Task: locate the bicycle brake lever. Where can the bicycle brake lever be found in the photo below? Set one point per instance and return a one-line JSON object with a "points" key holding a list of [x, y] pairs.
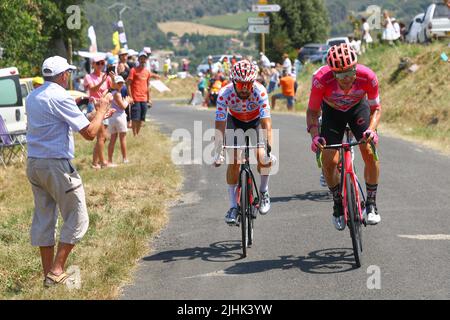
{"points": [[319, 158]]}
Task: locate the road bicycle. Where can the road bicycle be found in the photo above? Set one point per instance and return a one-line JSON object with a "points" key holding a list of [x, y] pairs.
{"points": [[353, 197], [247, 196]]}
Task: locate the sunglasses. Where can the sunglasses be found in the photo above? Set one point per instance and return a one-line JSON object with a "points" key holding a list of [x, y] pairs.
{"points": [[244, 85], [100, 63], [343, 75]]}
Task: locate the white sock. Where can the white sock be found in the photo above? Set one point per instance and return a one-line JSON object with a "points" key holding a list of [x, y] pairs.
{"points": [[264, 184], [232, 189]]}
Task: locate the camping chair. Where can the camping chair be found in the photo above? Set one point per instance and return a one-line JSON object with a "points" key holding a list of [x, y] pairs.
{"points": [[12, 145]]}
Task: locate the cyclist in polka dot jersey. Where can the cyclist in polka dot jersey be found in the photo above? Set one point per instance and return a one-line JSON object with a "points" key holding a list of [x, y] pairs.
{"points": [[244, 104]]}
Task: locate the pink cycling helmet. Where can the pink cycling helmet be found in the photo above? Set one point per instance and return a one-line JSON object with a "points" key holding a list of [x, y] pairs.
{"points": [[244, 71], [341, 57]]}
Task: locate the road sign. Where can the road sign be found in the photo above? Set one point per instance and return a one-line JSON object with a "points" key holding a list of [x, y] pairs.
{"points": [[259, 20], [266, 8], [258, 28]]}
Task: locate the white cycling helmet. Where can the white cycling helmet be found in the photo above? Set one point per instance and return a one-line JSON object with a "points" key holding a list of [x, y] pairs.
{"points": [[244, 71]]}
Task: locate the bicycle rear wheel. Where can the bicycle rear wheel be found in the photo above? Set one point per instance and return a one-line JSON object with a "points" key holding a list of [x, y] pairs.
{"points": [[243, 212], [354, 220]]}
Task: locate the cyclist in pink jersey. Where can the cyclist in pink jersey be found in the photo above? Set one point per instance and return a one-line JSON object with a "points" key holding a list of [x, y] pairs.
{"points": [[244, 104], [345, 92]]}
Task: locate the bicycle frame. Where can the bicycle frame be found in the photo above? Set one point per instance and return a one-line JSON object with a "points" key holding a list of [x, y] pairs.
{"points": [[348, 170], [245, 167]]}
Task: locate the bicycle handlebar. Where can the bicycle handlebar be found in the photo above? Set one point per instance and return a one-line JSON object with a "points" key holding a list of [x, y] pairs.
{"points": [[346, 145]]}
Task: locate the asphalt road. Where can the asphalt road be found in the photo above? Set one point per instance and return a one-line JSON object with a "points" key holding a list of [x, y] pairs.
{"points": [[297, 252]]}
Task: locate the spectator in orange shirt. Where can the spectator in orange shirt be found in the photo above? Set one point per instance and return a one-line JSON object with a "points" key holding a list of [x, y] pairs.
{"points": [[287, 84], [138, 89]]}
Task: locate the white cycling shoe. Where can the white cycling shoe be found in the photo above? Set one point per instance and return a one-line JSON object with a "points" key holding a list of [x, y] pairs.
{"points": [[231, 216], [338, 217], [264, 203], [373, 217]]}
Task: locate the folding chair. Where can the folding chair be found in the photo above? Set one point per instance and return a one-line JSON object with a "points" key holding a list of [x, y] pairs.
{"points": [[12, 145]]}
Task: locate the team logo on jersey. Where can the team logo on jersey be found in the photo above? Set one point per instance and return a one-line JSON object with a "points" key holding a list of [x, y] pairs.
{"points": [[317, 84], [220, 116], [374, 82], [251, 106]]}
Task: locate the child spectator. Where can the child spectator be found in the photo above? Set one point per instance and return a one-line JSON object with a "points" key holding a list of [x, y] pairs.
{"points": [[118, 122]]}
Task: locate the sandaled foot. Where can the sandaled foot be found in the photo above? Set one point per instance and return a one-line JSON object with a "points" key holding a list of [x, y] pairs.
{"points": [[52, 279]]}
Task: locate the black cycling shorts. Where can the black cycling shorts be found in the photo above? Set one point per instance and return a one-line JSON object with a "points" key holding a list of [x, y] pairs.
{"points": [[237, 130], [335, 121]]}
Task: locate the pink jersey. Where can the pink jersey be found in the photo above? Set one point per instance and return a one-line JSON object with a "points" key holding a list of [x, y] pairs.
{"points": [[325, 88], [257, 106]]}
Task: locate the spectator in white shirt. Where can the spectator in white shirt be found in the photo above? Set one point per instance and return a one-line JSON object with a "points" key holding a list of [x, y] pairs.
{"points": [[287, 64]]}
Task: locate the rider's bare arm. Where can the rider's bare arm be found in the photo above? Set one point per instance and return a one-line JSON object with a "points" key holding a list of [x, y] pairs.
{"points": [[220, 133], [375, 116], [266, 125], [312, 122]]}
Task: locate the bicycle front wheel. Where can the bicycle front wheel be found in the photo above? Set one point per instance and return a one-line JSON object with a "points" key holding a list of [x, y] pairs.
{"points": [[243, 211], [354, 220], [250, 212]]}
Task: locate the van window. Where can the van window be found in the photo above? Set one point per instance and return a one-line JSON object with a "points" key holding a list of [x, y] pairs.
{"points": [[8, 94], [441, 11], [24, 90]]}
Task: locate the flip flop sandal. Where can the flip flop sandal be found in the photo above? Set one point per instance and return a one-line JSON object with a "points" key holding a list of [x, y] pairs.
{"points": [[52, 279]]}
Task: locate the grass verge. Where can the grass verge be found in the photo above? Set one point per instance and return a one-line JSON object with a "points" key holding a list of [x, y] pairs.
{"points": [[127, 205]]}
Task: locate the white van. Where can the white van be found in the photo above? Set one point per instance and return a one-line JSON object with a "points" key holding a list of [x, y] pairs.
{"points": [[436, 23], [12, 109], [412, 35]]}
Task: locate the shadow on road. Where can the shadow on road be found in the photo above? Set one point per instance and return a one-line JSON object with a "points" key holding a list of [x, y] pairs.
{"points": [[224, 251], [327, 261], [317, 196]]}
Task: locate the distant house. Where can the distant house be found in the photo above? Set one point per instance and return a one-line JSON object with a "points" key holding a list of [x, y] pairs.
{"points": [[175, 40], [235, 43]]}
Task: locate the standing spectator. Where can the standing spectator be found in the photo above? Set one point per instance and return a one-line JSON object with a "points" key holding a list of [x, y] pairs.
{"points": [[52, 118], [397, 32], [123, 69], [264, 61], [233, 60], [389, 32], [226, 67], [154, 65], [98, 83], [138, 88], [366, 37], [37, 82], [185, 65], [167, 66], [287, 64], [274, 77], [287, 84], [210, 63], [201, 84], [118, 122]]}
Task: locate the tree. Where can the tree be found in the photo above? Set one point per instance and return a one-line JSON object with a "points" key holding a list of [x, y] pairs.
{"points": [[299, 22], [35, 29]]}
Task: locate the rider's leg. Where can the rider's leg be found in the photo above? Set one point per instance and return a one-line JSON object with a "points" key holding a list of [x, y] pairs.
{"points": [[371, 172], [264, 171], [232, 181], [330, 160], [359, 124]]}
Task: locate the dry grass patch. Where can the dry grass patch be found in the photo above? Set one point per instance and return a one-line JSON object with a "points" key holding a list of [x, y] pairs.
{"points": [[127, 205], [182, 27]]}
